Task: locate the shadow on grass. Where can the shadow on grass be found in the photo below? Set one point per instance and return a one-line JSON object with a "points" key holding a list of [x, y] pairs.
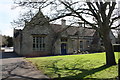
{"points": [[67, 78], [85, 73], [80, 76]]}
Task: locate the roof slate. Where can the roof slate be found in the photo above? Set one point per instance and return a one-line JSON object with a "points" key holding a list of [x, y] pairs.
{"points": [[73, 30]]}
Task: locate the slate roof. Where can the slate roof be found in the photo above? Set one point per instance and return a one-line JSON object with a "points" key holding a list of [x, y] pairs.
{"points": [[73, 30], [39, 18], [56, 27]]}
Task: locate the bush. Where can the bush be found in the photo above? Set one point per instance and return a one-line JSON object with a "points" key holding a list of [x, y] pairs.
{"points": [[116, 47]]}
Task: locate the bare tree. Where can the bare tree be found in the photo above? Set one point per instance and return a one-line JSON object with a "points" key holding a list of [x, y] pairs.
{"points": [[101, 11], [23, 17]]}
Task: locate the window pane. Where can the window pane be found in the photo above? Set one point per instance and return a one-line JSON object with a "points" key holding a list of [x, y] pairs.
{"points": [[37, 40], [37, 46], [33, 45], [44, 45], [40, 40], [38, 43], [33, 39], [81, 44]]}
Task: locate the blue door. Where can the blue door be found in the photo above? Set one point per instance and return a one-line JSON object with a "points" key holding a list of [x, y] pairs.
{"points": [[63, 48]]}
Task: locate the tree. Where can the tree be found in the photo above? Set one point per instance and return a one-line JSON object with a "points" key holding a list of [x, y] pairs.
{"points": [[10, 41], [99, 15], [24, 17], [7, 41]]}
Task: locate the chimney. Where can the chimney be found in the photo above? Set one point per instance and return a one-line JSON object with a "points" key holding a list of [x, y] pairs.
{"points": [[63, 22]]}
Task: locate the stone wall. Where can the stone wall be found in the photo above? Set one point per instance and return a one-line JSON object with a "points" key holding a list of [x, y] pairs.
{"points": [[27, 40], [17, 41]]}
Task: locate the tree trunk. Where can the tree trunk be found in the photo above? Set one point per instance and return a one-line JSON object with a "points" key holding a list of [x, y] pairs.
{"points": [[110, 57]]}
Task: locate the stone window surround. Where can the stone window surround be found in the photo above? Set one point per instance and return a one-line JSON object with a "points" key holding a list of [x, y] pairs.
{"points": [[39, 42], [81, 44]]}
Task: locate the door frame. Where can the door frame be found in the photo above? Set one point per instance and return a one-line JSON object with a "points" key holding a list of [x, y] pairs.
{"points": [[63, 48]]}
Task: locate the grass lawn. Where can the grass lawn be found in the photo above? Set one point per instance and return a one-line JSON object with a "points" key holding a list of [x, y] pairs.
{"points": [[76, 67]]}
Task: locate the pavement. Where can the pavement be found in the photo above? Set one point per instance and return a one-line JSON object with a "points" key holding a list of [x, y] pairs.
{"points": [[15, 67]]}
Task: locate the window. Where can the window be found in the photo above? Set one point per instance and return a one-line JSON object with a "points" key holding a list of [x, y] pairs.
{"points": [[39, 43], [81, 45]]}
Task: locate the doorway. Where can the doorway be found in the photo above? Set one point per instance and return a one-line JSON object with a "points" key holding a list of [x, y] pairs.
{"points": [[63, 48]]}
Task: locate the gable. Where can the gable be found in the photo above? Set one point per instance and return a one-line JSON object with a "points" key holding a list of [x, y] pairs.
{"points": [[38, 20]]}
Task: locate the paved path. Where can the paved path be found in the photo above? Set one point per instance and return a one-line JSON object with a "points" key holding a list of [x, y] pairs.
{"points": [[15, 67]]}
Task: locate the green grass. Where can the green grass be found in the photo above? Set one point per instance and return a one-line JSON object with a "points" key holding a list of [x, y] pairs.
{"points": [[77, 67]]}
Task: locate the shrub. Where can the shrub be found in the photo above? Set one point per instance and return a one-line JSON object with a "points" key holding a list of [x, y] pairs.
{"points": [[116, 47]]}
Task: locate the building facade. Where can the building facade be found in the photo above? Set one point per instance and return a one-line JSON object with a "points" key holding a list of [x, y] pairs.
{"points": [[40, 38]]}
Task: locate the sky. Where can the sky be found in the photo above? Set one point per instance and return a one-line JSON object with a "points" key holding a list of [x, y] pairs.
{"points": [[7, 15]]}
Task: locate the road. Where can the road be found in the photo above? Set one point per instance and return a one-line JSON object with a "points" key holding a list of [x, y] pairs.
{"points": [[15, 67]]}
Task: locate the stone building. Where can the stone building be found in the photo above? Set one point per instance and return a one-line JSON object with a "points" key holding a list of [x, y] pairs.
{"points": [[40, 38]]}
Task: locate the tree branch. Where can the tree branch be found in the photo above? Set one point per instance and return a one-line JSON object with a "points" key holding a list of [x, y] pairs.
{"points": [[113, 20], [92, 10], [111, 8], [102, 10], [94, 27], [115, 27], [68, 14]]}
